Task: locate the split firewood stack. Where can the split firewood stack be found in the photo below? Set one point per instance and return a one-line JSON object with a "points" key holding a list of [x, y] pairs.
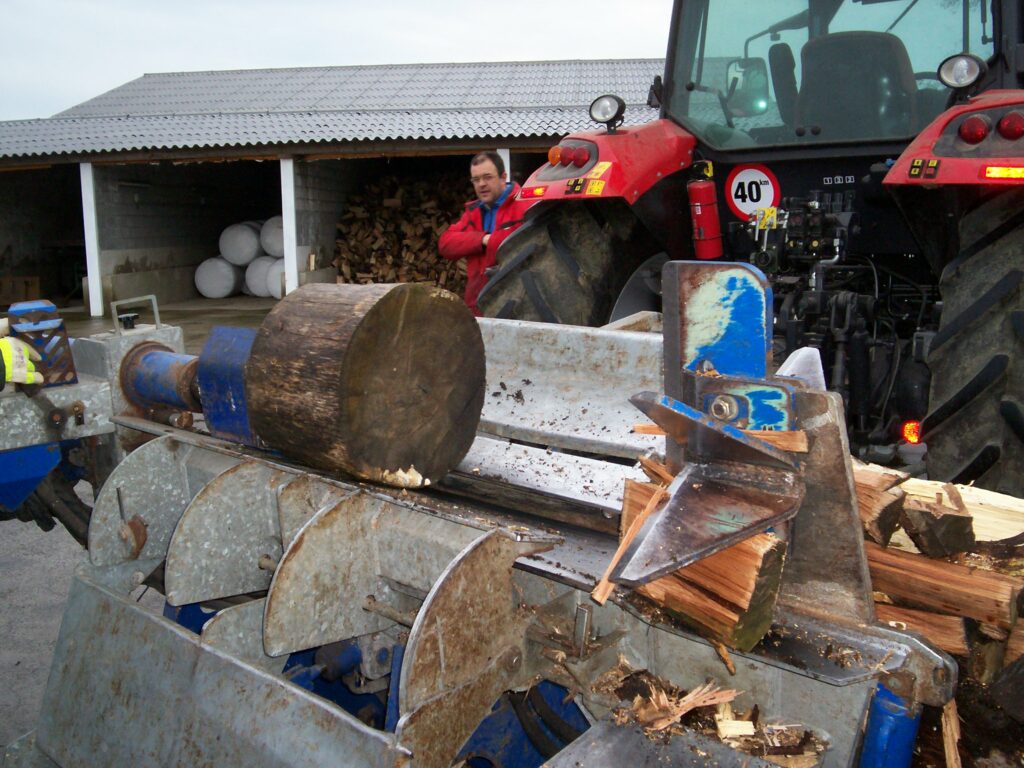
{"points": [[388, 233], [946, 561]]}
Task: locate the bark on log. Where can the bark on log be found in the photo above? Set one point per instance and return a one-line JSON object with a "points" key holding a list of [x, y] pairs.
{"points": [[385, 382]]}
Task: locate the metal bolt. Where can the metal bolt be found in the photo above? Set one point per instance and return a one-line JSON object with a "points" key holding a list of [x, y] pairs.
{"points": [[725, 408], [138, 577]]}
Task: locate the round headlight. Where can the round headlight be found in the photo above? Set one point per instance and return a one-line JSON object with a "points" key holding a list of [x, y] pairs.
{"points": [[961, 71], [607, 109]]}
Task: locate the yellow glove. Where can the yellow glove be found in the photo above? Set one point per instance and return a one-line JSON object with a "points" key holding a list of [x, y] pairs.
{"points": [[18, 362]]}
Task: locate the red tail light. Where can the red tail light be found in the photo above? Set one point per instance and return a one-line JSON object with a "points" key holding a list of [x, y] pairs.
{"points": [[580, 156], [974, 129], [1011, 126], [911, 432], [567, 155]]}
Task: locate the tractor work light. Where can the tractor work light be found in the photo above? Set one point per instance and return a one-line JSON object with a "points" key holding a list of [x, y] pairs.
{"points": [[911, 432], [974, 129], [608, 109], [1011, 125], [961, 71]]}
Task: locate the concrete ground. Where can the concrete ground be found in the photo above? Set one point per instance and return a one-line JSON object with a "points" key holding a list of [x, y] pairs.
{"points": [[36, 567]]}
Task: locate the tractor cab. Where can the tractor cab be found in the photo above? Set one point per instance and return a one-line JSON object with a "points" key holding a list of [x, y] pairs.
{"points": [[795, 73]]}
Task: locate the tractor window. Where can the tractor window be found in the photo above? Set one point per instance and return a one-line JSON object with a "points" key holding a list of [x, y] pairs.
{"points": [[800, 71]]}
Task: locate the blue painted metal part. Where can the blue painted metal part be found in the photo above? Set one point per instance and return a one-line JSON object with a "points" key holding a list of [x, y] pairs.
{"points": [[501, 740], [391, 721], [155, 377], [48, 336], [222, 383], [303, 670], [192, 616], [22, 469], [891, 731], [722, 313]]}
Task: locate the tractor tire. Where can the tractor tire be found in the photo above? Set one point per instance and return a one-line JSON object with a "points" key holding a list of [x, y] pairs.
{"points": [[566, 265], [53, 501], [975, 423]]}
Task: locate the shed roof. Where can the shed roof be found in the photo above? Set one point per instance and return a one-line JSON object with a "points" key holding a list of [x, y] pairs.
{"points": [[267, 107]]}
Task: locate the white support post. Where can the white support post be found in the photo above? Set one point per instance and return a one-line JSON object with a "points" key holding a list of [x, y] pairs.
{"points": [[506, 158], [92, 241], [291, 256]]}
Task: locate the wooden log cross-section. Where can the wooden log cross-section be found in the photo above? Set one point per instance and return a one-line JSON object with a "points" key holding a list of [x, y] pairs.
{"points": [[385, 382], [728, 597]]}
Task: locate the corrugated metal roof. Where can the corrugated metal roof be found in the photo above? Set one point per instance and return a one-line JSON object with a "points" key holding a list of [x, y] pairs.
{"points": [[194, 110]]}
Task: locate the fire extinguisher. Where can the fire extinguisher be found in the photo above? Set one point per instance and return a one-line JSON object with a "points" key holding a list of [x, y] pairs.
{"points": [[707, 230]]}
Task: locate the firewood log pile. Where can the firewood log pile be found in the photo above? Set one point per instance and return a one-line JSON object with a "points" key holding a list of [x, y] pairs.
{"points": [[946, 561], [388, 233]]}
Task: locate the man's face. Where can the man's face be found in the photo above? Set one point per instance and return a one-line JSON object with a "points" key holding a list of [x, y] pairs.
{"points": [[486, 181]]}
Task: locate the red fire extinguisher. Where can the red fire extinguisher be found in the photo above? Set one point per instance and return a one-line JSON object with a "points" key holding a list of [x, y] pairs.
{"points": [[707, 230]]}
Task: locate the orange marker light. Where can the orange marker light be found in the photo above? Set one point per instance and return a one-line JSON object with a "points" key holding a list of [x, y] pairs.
{"points": [[555, 155], [1004, 172], [911, 431]]}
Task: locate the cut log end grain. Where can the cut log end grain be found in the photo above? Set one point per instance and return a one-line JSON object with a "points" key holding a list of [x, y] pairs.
{"points": [[385, 382]]}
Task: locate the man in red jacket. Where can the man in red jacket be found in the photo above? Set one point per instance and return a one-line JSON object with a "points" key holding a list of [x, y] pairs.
{"points": [[488, 220]]}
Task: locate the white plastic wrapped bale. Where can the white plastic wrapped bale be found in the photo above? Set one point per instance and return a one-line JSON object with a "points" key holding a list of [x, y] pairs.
{"points": [[217, 278], [275, 277], [240, 243], [272, 236], [256, 275]]}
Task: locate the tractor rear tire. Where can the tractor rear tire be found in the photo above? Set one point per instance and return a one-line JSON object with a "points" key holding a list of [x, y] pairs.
{"points": [[975, 423], [566, 265]]}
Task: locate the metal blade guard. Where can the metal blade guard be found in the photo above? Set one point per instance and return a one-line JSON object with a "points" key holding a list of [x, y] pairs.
{"points": [[729, 483]]}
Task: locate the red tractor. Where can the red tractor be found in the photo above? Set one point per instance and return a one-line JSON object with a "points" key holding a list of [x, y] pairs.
{"points": [[864, 155]]}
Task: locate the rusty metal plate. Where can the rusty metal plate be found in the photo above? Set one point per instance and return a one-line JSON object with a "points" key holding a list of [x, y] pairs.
{"points": [[317, 593], [300, 499], [224, 533], [238, 631], [149, 483], [465, 648], [130, 688]]}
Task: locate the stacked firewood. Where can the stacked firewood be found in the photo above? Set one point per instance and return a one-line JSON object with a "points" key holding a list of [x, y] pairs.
{"points": [[946, 562], [388, 233]]}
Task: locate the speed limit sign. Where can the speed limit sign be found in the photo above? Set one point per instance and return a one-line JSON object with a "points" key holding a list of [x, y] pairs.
{"points": [[750, 187]]}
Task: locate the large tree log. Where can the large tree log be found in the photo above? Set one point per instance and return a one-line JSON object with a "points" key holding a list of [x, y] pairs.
{"points": [[385, 382], [728, 596], [944, 587]]}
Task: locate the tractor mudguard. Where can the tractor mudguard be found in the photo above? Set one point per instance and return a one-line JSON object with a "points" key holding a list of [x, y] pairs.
{"points": [[624, 164]]}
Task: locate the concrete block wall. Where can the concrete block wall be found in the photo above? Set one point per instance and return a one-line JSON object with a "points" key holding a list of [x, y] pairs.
{"points": [[157, 222], [321, 190], [41, 227]]}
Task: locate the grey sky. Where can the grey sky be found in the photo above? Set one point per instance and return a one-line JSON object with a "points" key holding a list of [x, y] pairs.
{"points": [[58, 53]]}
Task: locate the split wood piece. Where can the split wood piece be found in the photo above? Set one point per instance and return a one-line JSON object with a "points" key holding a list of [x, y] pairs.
{"points": [[656, 471], [944, 587], [879, 501], [729, 596], [385, 382], [936, 529], [604, 587], [951, 734], [794, 441], [945, 632], [996, 515], [728, 726]]}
